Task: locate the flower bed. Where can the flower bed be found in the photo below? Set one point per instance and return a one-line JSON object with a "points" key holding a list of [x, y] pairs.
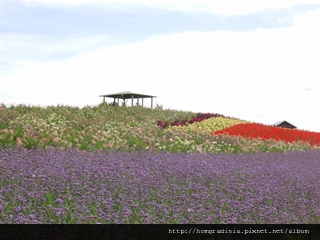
{"points": [[73, 186], [107, 128], [213, 124], [178, 122], [254, 130]]}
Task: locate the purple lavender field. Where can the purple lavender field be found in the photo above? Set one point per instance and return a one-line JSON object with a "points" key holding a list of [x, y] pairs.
{"points": [[74, 186]]}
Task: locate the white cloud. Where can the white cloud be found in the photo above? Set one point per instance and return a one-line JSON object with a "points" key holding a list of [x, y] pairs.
{"points": [[17, 48], [223, 7], [260, 75]]}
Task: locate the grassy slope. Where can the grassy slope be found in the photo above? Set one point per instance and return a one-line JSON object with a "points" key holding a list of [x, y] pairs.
{"points": [[106, 127]]}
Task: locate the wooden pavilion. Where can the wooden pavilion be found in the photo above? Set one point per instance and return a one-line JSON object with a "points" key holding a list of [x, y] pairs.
{"points": [[128, 95]]}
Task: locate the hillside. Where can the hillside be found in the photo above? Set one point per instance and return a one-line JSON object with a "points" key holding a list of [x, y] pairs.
{"points": [[113, 128]]}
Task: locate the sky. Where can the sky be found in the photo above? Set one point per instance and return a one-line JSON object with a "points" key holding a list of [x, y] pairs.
{"points": [[254, 60]]}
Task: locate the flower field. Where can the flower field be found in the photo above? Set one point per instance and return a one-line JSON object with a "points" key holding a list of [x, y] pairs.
{"points": [[111, 164], [254, 130], [108, 128], [74, 186]]}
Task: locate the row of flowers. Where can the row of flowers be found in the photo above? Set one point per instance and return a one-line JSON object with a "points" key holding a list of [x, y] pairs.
{"points": [[254, 130], [178, 122], [199, 118], [213, 124]]}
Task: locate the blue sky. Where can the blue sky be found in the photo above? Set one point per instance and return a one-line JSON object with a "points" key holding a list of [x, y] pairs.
{"points": [[258, 62]]}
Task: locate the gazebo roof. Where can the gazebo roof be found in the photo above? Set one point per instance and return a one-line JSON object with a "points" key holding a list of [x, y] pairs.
{"points": [[127, 95]]}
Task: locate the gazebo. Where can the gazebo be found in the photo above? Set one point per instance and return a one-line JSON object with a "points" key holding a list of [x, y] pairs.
{"points": [[128, 95]]}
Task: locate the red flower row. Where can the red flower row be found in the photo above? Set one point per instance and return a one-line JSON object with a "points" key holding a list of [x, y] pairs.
{"points": [[254, 130]]}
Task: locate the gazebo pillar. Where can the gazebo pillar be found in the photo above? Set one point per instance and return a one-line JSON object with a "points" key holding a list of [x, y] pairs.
{"points": [[104, 99], [151, 102], [118, 101], [138, 100], [142, 102], [114, 101], [131, 100]]}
